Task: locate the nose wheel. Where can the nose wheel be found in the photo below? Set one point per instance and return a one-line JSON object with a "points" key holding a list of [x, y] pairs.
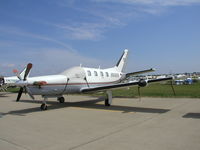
{"points": [[43, 106]]}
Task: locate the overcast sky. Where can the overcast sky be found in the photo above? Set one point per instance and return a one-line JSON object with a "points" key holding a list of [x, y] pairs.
{"points": [[57, 34]]}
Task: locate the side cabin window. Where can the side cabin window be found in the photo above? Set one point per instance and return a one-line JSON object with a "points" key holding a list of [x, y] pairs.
{"points": [[114, 75], [89, 73], [107, 75], [101, 73], [95, 73]]}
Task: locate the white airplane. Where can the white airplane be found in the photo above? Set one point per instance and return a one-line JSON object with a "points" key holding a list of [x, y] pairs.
{"points": [[6, 82], [79, 80]]}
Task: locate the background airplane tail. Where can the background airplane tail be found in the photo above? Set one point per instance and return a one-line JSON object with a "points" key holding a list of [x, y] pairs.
{"points": [[122, 61]]}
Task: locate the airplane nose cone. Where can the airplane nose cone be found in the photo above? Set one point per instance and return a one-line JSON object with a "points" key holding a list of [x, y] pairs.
{"points": [[21, 83]]}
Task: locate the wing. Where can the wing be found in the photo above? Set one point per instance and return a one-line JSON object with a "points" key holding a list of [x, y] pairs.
{"points": [[139, 72], [122, 85]]}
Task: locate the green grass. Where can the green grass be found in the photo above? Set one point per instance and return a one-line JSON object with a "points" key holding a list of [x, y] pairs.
{"points": [[153, 90], [159, 90], [13, 90]]}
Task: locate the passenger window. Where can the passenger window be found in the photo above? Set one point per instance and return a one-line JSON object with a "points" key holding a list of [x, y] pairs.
{"points": [[101, 73], [107, 75], [95, 73], [89, 73]]}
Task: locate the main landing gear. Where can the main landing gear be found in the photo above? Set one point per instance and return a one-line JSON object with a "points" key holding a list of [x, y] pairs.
{"points": [[61, 99], [108, 100]]}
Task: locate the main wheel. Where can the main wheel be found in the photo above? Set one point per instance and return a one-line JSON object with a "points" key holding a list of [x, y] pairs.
{"points": [[61, 99], [43, 107], [107, 102]]}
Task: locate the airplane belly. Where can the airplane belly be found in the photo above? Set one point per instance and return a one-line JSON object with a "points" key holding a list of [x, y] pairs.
{"points": [[72, 89], [47, 90]]}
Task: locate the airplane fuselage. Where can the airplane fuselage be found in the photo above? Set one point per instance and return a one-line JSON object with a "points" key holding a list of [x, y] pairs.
{"points": [[72, 80]]}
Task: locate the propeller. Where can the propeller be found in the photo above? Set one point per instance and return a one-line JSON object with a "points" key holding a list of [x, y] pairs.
{"points": [[22, 82], [16, 72], [20, 94], [28, 68]]}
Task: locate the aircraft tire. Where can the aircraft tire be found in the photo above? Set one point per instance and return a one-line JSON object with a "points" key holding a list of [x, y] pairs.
{"points": [[43, 107], [61, 99], [107, 102]]}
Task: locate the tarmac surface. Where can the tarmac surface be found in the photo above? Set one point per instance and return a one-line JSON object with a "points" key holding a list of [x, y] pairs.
{"points": [[84, 123]]}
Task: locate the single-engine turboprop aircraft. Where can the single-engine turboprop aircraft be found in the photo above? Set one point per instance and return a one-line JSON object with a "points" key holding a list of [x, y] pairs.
{"points": [[79, 80]]}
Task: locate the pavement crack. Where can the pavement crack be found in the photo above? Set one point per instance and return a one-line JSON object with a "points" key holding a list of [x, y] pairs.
{"points": [[111, 133], [15, 144]]}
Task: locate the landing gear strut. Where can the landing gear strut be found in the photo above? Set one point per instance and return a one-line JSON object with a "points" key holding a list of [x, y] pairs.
{"points": [[108, 100], [61, 99]]}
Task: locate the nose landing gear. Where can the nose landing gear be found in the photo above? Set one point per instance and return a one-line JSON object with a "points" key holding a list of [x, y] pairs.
{"points": [[44, 104]]}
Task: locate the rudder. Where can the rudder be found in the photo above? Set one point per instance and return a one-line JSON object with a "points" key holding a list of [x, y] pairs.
{"points": [[122, 61]]}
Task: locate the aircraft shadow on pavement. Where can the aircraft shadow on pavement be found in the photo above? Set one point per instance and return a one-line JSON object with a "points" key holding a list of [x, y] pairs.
{"points": [[192, 115], [89, 104], [3, 95]]}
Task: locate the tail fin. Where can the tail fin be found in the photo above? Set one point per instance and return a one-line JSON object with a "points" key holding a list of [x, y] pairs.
{"points": [[122, 61]]}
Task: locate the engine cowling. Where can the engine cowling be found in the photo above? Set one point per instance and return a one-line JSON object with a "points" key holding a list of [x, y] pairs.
{"points": [[143, 83]]}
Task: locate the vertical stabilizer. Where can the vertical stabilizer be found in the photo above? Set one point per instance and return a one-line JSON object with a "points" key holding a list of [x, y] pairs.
{"points": [[122, 61]]}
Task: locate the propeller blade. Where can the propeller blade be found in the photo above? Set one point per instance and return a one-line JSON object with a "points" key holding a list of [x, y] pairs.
{"points": [[28, 68], [29, 93], [31, 96], [15, 71], [19, 94], [25, 90]]}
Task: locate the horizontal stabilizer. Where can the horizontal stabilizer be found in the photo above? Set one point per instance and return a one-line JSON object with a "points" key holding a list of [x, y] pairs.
{"points": [[140, 72]]}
